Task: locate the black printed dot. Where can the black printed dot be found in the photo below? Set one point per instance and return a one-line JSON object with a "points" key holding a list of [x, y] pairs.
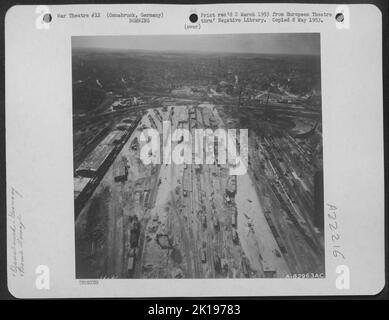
{"points": [[47, 18], [193, 18], [339, 17]]}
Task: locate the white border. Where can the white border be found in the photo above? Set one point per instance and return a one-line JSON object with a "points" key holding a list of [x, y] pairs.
{"points": [[39, 147]]}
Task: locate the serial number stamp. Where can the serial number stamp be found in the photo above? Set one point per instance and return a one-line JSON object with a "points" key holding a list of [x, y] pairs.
{"points": [[88, 282], [308, 275], [334, 229]]}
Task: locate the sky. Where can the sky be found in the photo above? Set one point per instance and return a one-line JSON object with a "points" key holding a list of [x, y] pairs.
{"points": [[269, 43]]}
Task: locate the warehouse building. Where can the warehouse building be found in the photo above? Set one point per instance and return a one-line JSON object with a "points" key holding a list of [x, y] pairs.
{"points": [[123, 126], [82, 190], [120, 171], [96, 160], [114, 138], [80, 184]]}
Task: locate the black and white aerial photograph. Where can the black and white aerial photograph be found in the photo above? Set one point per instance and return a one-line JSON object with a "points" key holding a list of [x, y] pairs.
{"points": [[198, 156]]}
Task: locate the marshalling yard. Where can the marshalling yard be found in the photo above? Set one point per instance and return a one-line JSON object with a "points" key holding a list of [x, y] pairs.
{"points": [[196, 220], [137, 220]]}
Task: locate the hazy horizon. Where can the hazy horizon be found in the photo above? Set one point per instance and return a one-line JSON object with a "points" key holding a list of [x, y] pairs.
{"points": [[289, 44]]}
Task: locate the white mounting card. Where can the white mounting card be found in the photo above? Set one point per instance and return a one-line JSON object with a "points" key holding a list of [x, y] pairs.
{"points": [[194, 150]]}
